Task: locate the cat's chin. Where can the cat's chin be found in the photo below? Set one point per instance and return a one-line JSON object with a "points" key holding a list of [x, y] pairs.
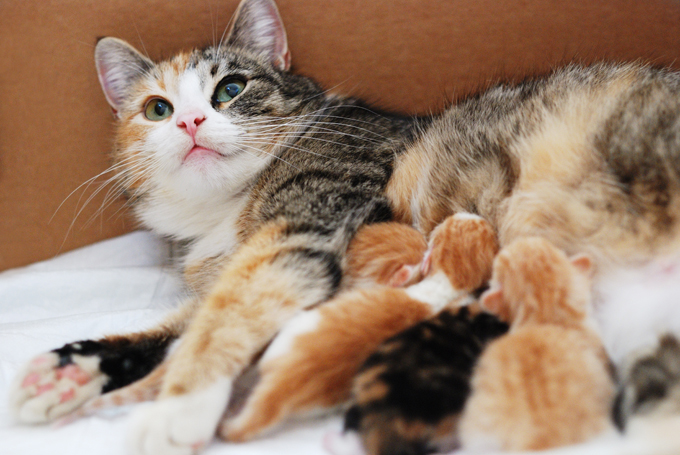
{"points": [[198, 154]]}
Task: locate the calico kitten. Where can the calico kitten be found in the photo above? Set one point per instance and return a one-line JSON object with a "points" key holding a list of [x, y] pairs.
{"points": [[409, 394], [310, 365], [267, 178], [547, 382]]}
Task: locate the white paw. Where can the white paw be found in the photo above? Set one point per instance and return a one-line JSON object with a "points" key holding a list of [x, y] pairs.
{"points": [[180, 425], [43, 391]]}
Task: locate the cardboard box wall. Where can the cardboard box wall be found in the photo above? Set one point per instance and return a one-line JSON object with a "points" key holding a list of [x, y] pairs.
{"points": [[414, 56]]}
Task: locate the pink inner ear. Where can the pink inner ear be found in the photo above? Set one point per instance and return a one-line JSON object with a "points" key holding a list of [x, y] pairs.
{"points": [[427, 262], [492, 300], [110, 93], [283, 61], [403, 275], [583, 263]]}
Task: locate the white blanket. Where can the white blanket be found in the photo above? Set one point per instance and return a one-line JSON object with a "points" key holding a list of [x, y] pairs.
{"points": [[115, 286]]}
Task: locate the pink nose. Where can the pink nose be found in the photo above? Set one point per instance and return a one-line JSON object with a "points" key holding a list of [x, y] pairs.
{"points": [[190, 121]]}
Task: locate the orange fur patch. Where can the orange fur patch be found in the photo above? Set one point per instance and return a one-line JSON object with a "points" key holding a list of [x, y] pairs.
{"points": [[318, 371], [547, 382], [379, 250], [464, 250]]}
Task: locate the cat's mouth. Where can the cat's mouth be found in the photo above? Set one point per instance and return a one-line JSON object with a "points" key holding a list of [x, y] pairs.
{"points": [[198, 152]]}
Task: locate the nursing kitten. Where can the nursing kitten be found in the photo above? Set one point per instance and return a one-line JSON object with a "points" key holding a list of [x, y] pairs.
{"points": [[547, 383], [311, 364], [267, 178], [409, 394]]}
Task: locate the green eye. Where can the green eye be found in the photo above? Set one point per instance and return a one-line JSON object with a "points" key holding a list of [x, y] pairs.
{"points": [[229, 89], [157, 109]]}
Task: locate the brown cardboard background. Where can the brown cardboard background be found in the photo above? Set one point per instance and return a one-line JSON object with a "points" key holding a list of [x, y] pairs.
{"points": [[410, 55]]}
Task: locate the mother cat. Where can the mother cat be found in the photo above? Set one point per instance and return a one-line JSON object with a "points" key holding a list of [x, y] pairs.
{"points": [[266, 178]]}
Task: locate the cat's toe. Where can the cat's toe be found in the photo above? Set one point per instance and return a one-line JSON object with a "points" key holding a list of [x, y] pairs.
{"points": [[180, 425], [50, 386]]}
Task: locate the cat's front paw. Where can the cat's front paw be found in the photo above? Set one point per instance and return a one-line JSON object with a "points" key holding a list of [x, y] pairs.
{"points": [[54, 384], [180, 425]]}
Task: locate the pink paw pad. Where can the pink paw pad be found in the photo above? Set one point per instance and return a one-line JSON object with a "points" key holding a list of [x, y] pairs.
{"points": [[66, 396], [30, 380], [75, 373]]}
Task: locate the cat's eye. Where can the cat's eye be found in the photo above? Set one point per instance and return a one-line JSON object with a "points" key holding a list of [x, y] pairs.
{"points": [[157, 109], [228, 89]]}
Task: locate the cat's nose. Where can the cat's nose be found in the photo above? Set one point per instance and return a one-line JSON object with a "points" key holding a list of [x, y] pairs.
{"points": [[190, 121]]}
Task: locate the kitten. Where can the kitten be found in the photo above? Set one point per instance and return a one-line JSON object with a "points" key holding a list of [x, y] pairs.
{"points": [[310, 365], [547, 382], [266, 178], [651, 383], [409, 394]]}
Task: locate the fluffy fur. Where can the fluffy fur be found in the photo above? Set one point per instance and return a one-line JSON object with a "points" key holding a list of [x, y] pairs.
{"points": [[547, 383]]}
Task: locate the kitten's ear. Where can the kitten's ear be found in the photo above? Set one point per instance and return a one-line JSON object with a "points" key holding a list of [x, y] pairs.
{"points": [[583, 263], [492, 301], [118, 65], [403, 275], [258, 27]]}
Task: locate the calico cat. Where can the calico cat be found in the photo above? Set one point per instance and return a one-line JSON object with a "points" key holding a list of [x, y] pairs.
{"points": [[266, 178], [547, 383]]}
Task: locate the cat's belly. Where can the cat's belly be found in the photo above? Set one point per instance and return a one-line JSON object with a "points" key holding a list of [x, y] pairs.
{"points": [[635, 305]]}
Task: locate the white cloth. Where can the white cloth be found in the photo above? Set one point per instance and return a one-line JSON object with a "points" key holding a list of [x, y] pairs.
{"points": [[115, 286]]}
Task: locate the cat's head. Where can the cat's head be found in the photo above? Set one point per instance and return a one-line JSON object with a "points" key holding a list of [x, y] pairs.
{"points": [[200, 126], [533, 281]]}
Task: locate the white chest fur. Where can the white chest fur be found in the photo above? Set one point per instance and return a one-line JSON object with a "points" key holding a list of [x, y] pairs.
{"points": [[636, 305]]}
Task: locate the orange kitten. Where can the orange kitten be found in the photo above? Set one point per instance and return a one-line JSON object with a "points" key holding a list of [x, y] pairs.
{"points": [[547, 382], [311, 363]]}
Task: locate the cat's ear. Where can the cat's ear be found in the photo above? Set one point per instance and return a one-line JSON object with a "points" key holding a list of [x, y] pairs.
{"points": [[257, 26], [492, 301], [405, 274], [118, 65], [583, 263]]}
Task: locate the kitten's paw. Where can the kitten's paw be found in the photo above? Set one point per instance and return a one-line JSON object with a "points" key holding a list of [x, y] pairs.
{"points": [[180, 425], [54, 384]]}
